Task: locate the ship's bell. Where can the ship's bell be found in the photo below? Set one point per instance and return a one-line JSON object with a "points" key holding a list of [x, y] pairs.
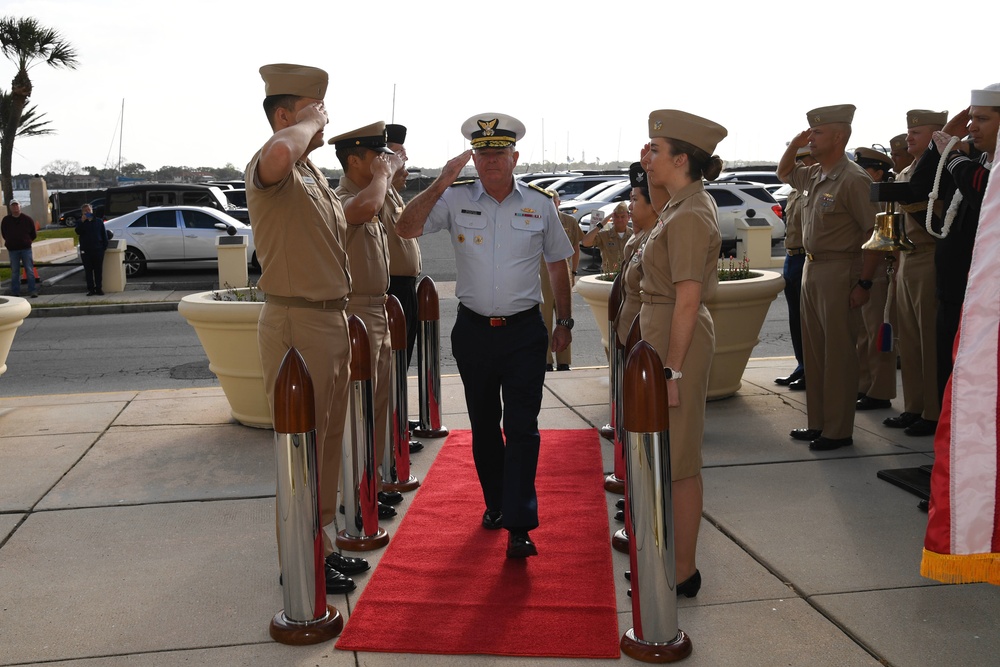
{"points": [[889, 234]]}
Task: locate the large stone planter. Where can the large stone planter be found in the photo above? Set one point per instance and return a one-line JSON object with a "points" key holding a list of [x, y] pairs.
{"points": [[738, 310], [13, 310], [228, 333]]}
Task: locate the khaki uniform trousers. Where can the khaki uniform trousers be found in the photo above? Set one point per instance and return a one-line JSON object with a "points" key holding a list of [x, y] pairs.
{"points": [[830, 330], [877, 369], [376, 322], [917, 314], [549, 314], [320, 336], [687, 421]]}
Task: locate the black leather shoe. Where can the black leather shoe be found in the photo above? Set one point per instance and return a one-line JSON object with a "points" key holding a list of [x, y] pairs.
{"points": [[921, 427], [415, 446], [869, 403], [788, 379], [923, 506], [492, 519], [628, 575], [629, 592], [549, 368], [822, 444], [620, 516], [346, 564], [414, 425], [690, 586], [902, 421], [607, 432], [806, 434], [336, 582], [519, 545], [798, 385], [390, 497], [620, 504], [386, 511], [562, 367]]}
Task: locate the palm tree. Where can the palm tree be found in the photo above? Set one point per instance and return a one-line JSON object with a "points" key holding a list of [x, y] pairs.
{"points": [[31, 123], [24, 42]]}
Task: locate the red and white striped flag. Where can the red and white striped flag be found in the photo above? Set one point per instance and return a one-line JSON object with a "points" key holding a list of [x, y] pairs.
{"points": [[962, 544]]}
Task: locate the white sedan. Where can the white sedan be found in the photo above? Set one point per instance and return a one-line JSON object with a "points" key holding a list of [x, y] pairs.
{"points": [[166, 237]]}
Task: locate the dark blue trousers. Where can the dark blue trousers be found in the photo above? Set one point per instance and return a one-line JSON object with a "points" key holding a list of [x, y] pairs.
{"points": [[503, 369], [792, 273]]}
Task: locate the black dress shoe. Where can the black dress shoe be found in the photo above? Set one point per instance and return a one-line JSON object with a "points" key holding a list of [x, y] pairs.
{"points": [[620, 504], [346, 564], [549, 368], [822, 444], [415, 446], [788, 379], [806, 434], [902, 421], [629, 592], [869, 403], [336, 582], [91, 293], [492, 519], [798, 385], [386, 511], [519, 545], [921, 427], [620, 516], [100, 293], [690, 586], [923, 506], [562, 367], [628, 575], [390, 497]]}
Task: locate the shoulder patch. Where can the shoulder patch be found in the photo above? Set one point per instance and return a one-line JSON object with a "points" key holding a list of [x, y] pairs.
{"points": [[542, 190], [468, 181]]}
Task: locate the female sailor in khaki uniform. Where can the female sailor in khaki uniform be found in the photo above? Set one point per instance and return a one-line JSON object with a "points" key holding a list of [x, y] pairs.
{"points": [[679, 273], [643, 218]]}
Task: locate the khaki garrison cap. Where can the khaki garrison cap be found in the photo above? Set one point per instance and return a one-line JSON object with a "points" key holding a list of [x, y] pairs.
{"points": [[683, 126], [370, 136], [301, 80], [869, 157], [918, 117], [987, 97], [637, 175], [838, 113], [898, 143], [493, 130]]}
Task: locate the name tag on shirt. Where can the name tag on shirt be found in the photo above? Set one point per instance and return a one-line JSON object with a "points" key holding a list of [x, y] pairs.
{"points": [[309, 180], [468, 212]]}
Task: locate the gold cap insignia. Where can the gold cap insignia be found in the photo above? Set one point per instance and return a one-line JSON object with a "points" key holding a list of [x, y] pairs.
{"points": [[487, 126], [658, 125]]}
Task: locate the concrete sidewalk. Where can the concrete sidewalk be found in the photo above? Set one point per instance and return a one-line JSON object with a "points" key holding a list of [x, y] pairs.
{"points": [[138, 528]]}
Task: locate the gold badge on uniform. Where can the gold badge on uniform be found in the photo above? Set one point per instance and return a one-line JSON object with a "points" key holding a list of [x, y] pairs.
{"points": [[461, 238], [528, 210], [488, 126], [478, 240]]}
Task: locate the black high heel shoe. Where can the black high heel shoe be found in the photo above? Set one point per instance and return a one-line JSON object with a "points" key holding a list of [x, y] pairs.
{"points": [[689, 587]]}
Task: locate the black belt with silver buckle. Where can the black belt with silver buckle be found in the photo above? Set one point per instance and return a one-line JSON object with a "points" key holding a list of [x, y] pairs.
{"points": [[497, 321]]}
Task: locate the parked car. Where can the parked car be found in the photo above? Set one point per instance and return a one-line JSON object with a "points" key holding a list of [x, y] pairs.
{"points": [[611, 192], [533, 176], [734, 200], [168, 237], [128, 198], [766, 177], [571, 187], [71, 217]]}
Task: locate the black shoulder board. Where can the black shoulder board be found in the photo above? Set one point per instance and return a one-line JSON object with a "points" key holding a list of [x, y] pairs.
{"points": [[542, 190], [468, 181]]}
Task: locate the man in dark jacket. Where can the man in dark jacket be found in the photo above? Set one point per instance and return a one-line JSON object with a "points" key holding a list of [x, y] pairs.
{"points": [[93, 243], [18, 231]]}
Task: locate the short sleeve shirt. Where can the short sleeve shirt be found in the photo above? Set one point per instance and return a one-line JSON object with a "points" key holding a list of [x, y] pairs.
{"points": [[404, 254], [612, 247], [367, 249], [838, 215], [793, 219], [299, 232], [498, 245]]}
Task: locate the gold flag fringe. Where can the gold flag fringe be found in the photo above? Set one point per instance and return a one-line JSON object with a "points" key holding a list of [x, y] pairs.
{"points": [[961, 569]]}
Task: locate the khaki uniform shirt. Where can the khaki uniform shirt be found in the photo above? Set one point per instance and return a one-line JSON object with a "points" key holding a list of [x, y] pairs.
{"points": [[612, 248], [793, 219], [367, 249], [837, 214], [404, 254], [299, 231]]}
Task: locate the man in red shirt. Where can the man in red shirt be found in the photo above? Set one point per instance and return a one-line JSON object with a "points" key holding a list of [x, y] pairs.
{"points": [[18, 232]]}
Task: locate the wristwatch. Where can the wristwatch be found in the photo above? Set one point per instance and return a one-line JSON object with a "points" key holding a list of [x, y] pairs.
{"points": [[568, 323], [865, 284], [671, 374]]}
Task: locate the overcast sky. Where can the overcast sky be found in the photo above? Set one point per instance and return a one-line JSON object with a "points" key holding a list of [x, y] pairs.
{"points": [[582, 79]]}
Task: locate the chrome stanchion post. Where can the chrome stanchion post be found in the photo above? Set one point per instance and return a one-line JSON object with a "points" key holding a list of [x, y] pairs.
{"points": [[620, 540], [361, 530], [396, 459], [654, 636], [429, 361], [615, 482], [306, 617]]}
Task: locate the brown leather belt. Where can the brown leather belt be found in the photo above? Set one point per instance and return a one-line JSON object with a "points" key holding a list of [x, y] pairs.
{"points": [[497, 321], [792, 252], [299, 302], [357, 300], [655, 298]]}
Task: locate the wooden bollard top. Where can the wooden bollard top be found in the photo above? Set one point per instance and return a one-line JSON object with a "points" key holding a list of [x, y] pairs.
{"points": [[361, 349], [644, 391], [634, 335], [428, 308], [397, 322], [294, 402], [615, 297]]}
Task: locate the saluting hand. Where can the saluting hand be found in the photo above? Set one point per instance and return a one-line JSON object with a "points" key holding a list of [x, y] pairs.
{"points": [[800, 140], [315, 112], [454, 166]]}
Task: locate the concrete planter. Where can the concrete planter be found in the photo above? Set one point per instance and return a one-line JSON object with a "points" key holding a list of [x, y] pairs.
{"points": [[228, 333], [738, 310], [13, 310]]}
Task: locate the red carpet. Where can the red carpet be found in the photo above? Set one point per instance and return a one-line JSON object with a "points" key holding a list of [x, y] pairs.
{"points": [[445, 586]]}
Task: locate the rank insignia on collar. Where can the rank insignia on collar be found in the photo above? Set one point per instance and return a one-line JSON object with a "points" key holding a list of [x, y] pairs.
{"points": [[658, 125], [528, 210], [460, 238], [488, 126]]}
